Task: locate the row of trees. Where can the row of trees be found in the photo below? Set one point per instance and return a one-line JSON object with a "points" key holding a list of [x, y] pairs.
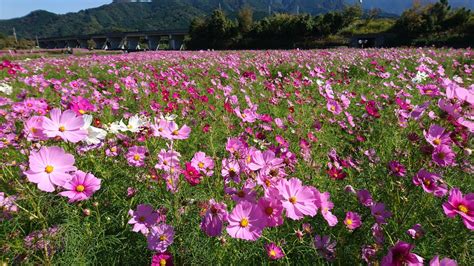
{"points": [[217, 31]]}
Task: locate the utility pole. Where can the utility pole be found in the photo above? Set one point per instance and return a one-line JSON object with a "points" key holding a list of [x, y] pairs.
{"points": [[14, 35], [37, 42], [297, 10]]}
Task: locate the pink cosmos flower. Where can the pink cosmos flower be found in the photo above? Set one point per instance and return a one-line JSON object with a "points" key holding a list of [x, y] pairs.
{"points": [[143, 218], [263, 160], [7, 206], [437, 136], [50, 166], [158, 128], [66, 125], [160, 237], [231, 170], [371, 109], [162, 259], [334, 107], [214, 218], [444, 262], [272, 209], [168, 161], [191, 175], [298, 200], [274, 252], [379, 213], [352, 220], [247, 193], [81, 186], [172, 131], [400, 254], [462, 206], [246, 221], [34, 128], [136, 156], [203, 163], [443, 156], [323, 202], [430, 182]]}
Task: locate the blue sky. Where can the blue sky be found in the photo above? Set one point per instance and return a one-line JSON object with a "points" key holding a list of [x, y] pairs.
{"points": [[19, 8]]}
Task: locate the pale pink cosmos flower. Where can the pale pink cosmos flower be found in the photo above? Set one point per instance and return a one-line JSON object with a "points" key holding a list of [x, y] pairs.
{"points": [[298, 200], [322, 201], [173, 132], [246, 221], [203, 163], [136, 156], [263, 160], [50, 167], [168, 161], [81, 186], [66, 125], [272, 209], [231, 170], [437, 136], [34, 128]]}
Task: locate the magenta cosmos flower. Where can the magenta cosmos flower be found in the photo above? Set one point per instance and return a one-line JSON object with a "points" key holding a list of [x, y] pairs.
{"points": [[160, 237], [136, 156], [459, 205], [214, 218], [143, 218], [334, 107], [298, 200], [397, 169], [65, 125], [400, 255], [203, 163], [443, 156], [50, 166], [246, 221], [162, 259], [379, 213], [81, 105], [325, 247], [352, 220], [191, 175], [274, 252], [430, 182], [81, 186], [436, 136]]}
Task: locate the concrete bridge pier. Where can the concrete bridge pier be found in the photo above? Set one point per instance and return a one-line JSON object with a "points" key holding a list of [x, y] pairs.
{"points": [[133, 43], [116, 43], [100, 43], [175, 42], [153, 42], [83, 43]]}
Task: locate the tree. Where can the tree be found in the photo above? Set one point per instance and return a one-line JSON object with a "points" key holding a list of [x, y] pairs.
{"points": [[245, 19]]}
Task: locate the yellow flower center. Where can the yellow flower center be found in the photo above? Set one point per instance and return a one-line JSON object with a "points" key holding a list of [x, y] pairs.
{"points": [[333, 108], [163, 238], [348, 221], [269, 210], [244, 222], [136, 157], [244, 115], [113, 149], [80, 188], [62, 129], [49, 169], [437, 141], [427, 182], [292, 200], [141, 219], [463, 208], [249, 159], [82, 111], [273, 253], [162, 262], [267, 183], [33, 130], [175, 133], [241, 193], [201, 165]]}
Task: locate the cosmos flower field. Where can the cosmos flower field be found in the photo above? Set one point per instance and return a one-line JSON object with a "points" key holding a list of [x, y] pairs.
{"points": [[317, 157]]}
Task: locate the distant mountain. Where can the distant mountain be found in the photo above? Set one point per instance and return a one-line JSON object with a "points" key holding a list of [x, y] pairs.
{"points": [[174, 14]]}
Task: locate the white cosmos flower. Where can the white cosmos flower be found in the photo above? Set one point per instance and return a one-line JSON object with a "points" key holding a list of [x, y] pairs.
{"points": [[171, 117], [135, 123], [94, 135], [5, 88]]}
